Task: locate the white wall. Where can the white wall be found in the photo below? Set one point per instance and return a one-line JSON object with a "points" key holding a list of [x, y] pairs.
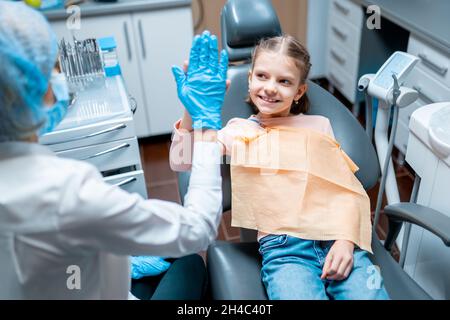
{"points": [[316, 36]]}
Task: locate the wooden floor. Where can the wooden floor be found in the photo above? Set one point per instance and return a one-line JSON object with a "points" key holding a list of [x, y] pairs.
{"points": [[162, 183]]}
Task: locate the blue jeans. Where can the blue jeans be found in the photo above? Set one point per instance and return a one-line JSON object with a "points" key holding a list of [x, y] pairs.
{"points": [[291, 270]]}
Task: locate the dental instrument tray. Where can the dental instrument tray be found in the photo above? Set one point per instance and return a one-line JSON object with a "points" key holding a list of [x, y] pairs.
{"points": [[97, 104], [81, 62], [97, 97], [93, 107]]}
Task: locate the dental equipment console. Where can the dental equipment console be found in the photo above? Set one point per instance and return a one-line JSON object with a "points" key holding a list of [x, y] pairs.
{"points": [[383, 83], [386, 86]]}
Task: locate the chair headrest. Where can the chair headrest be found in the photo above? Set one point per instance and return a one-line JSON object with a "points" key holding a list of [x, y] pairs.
{"points": [[243, 23]]}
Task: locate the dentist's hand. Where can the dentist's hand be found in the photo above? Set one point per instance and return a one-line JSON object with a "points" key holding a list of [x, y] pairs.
{"points": [[202, 89], [186, 120]]}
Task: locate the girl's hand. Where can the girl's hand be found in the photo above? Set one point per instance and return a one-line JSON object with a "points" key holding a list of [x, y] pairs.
{"points": [[339, 261]]}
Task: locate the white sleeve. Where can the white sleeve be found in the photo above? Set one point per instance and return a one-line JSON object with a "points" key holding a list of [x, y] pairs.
{"points": [[104, 217]]}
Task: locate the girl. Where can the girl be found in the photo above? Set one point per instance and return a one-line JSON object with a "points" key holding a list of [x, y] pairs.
{"points": [[307, 251]]}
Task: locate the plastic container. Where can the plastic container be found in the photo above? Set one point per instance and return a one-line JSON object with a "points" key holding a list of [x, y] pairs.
{"points": [[51, 4], [109, 56]]}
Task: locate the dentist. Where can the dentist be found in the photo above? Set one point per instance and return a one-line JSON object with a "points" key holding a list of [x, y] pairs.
{"points": [[58, 218]]}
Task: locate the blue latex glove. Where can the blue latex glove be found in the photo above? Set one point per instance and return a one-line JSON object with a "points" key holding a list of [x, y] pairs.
{"points": [[202, 89], [144, 266]]}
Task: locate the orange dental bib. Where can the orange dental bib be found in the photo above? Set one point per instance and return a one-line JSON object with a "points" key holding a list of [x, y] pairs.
{"points": [[298, 182]]}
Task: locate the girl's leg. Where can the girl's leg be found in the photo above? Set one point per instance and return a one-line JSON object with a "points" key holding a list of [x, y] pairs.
{"points": [[290, 268], [363, 283]]}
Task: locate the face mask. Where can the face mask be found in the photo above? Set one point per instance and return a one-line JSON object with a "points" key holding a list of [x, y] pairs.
{"points": [[56, 113]]}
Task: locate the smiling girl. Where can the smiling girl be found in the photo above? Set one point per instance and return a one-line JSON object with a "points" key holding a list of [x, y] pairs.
{"points": [[299, 260]]}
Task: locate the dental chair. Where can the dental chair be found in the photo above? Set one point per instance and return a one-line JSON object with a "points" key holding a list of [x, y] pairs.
{"points": [[234, 268]]}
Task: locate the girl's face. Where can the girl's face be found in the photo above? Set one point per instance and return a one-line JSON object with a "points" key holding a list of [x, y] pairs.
{"points": [[274, 83]]}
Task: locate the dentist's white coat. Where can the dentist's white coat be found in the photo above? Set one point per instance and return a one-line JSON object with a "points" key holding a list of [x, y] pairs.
{"points": [[59, 220]]}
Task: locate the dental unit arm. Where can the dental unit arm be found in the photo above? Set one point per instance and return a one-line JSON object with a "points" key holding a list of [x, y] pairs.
{"points": [[363, 83], [386, 86]]}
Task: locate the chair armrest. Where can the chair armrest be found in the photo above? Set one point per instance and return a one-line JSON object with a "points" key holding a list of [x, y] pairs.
{"points": [[425, 217]]}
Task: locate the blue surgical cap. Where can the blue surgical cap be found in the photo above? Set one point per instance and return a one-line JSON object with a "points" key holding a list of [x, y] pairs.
{"points": [[28, 51]]}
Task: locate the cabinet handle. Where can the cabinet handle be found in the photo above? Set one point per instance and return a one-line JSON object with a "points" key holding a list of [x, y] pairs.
{"points": [[339, 33], [341, 8], [337, 57], [335, 80], [133, 103], [127, 40], [433, 66], [125, 182], [101, 153], [141, 36], [113, 128], [420, 91]]}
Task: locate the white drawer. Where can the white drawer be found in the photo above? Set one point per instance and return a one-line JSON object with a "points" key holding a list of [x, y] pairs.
{"points": [[112, 130], [107, 156], [348, 35], [401, 136], [348, 10], [133, 182], [430, 89], [345, 59], [342, 80], [434, 61]]}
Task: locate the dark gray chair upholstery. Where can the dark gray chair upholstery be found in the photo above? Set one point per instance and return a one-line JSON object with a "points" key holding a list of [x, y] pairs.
{"points": [[234, 268]]}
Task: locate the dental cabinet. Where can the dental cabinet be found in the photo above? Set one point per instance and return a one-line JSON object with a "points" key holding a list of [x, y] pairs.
{"points": [[354, 49], [344, 38], [427, 258], [99, 128], [430, 77], [151, 36]]}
